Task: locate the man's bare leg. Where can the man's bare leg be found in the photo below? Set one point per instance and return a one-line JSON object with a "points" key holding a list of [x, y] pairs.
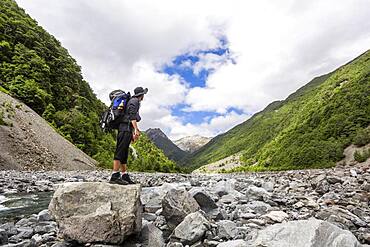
{"points": [[116, 164], [123, 168]]}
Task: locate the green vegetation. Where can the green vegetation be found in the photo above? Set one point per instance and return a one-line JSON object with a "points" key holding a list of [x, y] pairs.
{"points": [[362, 156], [310, 129], [362, 137], [153, 161], [2, 121], [36, 69], [7, 112]]}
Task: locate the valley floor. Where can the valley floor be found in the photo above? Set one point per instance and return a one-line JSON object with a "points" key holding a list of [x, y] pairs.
{"points": [[250, 201]]}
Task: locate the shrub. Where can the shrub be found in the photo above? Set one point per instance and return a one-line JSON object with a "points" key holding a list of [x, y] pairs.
{"points": [[362, 156], [362, 137]]}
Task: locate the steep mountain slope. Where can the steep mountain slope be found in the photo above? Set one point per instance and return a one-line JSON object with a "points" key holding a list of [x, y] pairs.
{"points": [[28, 142], [36, 69], [192, 143], [163, 142], [309, 129]]}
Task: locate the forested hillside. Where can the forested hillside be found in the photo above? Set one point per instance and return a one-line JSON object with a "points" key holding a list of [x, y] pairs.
{"points": [[36, 69], [309, 129]]}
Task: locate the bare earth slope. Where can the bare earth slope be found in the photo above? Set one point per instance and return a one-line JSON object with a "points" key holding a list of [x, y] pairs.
{"points": [[28, 142]]}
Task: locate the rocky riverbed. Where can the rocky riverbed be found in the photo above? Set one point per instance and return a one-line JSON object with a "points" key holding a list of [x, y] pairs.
{"points": [[230, 209]]}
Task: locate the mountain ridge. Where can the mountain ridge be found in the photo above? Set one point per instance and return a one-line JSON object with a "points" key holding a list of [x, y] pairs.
{"points": [[170, 149]]}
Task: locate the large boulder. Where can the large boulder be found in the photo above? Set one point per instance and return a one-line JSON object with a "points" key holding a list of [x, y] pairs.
{"points": [[176, 204], [305, 233], [97, 212]]}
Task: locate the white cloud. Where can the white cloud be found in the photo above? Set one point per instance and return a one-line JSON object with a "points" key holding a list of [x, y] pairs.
{"points": [[210, 61], [278, 47]]}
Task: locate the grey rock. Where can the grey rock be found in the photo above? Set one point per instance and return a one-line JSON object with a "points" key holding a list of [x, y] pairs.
{"points": [[341, 215], [227, 229], [23, 222], [25, 243], [9, 228], [151, 236], [215, 214], [233, 243], [334, 179], [305, 233], [61, 244], [277, 216], [257, 193], [97, 212], [3, 237], [174, 244], [317, 180], [176, 204], [37, 239], [204, 200], [259, 206], [211, 243], [224, 187], [323, 187], [149, 216], [192, 228], [197, 244], [25, 232], [44, 215], [268, 186]]}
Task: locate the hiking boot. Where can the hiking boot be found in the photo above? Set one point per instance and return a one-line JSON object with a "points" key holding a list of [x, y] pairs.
{"points": [[116, 179], [125, 177]]}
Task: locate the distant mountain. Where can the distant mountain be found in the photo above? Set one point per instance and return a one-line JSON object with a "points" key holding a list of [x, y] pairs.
{"points": [[309, 129], [192, 143], [163, 142]]}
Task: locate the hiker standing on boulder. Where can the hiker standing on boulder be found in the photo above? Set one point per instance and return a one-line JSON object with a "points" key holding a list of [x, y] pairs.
{"points": [[128, 131]]}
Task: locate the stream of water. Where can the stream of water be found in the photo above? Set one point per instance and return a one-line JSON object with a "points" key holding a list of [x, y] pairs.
{"points": [[14, 207]]}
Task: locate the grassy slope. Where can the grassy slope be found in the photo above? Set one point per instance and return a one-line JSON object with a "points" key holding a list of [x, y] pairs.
{"points": [[308, 129]]}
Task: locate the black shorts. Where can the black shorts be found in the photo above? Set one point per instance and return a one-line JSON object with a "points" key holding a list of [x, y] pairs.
{"points": [[122, 146]]}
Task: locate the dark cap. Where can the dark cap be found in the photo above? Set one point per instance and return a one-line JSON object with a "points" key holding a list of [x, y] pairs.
{"points": [[139, 91]]}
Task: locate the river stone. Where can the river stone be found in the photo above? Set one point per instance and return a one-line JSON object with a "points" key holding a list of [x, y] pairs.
{"points": [[277, 216], [43, 215], [227, 229], [97, 212], [224, 187], [176, 204], [192, 228], [3, 237], [151, 236], [203, 199], [257, 193], [305, 233], [233, 243]]}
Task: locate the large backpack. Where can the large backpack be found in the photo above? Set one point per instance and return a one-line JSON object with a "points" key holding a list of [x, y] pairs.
{"points": [[114, 115]]}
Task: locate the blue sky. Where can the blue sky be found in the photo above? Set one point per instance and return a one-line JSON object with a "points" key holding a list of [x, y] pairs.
{"points": [[183, 66]]}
